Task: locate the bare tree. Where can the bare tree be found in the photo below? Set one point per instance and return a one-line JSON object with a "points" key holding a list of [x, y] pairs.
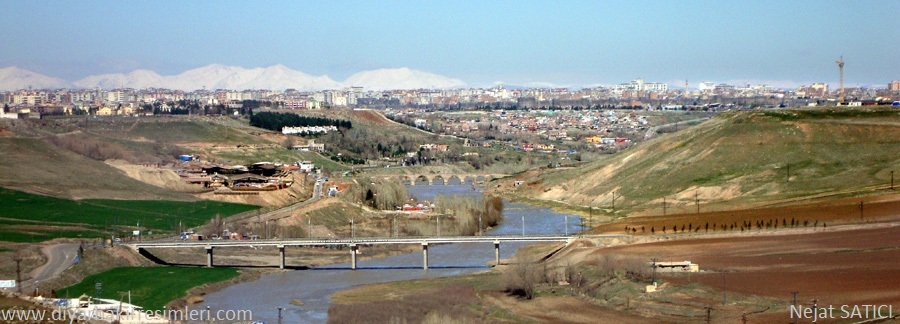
{"points": [[522, 278], [216, 225], [289, 142]]}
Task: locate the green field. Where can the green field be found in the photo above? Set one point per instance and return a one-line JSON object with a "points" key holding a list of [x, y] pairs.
{"points": [[27, 217], [150, 287]]}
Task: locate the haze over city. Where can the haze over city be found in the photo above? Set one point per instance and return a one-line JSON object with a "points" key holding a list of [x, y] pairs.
{"points": [[570, 44]]}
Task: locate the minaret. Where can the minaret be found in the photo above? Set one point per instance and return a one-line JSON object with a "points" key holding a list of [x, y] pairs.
{"points": [[840, 63]]}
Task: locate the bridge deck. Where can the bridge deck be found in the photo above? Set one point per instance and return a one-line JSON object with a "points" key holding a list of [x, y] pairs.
{"points": [[358, 241]]}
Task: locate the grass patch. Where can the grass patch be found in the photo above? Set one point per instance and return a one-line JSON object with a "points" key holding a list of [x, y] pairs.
{"points": [[834, 113], [30, 236], [151, 287], [187, 131], [99, 214]]}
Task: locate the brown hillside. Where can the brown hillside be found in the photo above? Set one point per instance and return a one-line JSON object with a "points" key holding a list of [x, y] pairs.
{"points": [[734, 161], [371, 116], [32, 165]]}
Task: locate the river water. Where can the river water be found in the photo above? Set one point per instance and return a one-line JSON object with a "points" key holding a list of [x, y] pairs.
{"points": [[264, 296]]}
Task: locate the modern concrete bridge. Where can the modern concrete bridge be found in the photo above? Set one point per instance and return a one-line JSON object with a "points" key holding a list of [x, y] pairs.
{"points": [[352, 243]]}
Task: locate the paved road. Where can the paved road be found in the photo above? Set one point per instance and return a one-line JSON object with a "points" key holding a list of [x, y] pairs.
{"points": [[317, 194], [59, 258]]}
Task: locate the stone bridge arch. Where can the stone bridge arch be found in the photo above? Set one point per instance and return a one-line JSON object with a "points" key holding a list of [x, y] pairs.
{"points": [[446, 179]]}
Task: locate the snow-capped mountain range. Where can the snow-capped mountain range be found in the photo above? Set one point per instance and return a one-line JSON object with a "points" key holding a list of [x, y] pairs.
{"points": [[215, 76], [13, 78]]}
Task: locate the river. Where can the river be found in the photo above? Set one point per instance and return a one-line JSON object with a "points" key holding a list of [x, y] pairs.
{"points": [[264, 296]]}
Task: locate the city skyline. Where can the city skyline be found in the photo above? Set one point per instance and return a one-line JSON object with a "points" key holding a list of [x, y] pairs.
{"points": [[571, 44]]}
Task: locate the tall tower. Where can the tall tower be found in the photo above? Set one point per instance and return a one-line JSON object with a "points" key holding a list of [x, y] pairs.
{"points": [[840, 63]]}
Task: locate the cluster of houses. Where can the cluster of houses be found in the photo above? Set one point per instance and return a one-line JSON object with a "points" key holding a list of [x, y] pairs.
{"points": [[550, 127], [435, 147], [417, 207], [306, 130], [607, 140], [310, 146]]}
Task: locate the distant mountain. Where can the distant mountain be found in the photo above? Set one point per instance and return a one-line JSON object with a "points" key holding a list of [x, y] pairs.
{"points": [[402, 78], [137, 79], [215, 76], [13, 78]]}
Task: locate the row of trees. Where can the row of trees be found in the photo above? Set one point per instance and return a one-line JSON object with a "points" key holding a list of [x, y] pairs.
{"points": [[277, 121], [473, 214], [744, 226], [369, 143], [379, 194]]}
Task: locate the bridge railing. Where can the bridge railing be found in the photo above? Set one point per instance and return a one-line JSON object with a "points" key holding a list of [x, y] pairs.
{"points": [[358, 240]]}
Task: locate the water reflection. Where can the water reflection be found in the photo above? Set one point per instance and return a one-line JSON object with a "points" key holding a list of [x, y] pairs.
{"points": [[312, 287]]}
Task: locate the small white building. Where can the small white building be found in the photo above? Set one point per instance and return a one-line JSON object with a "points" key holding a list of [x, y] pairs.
{"points": [[306, 166]]}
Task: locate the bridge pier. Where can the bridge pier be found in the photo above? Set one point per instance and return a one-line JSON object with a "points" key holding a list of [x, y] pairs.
{"points": [[281, 257], [496, 252], [209, 256], [353, 250], [424, 255]]}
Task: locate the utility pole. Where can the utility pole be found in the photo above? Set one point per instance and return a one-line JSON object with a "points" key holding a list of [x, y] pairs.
{"points": [[480, 231], [664, 205], [789, 172], [697, 200], [860, 210], [590, 212], [18, 259], [523, 225], [614, 202], [794, 302], [724, 293]]}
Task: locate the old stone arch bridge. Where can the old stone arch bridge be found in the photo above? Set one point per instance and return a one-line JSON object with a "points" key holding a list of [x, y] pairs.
{"points": [[445, 179]]}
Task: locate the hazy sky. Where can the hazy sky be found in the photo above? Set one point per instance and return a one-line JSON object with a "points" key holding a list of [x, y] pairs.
{"points": [[568, 43]]}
